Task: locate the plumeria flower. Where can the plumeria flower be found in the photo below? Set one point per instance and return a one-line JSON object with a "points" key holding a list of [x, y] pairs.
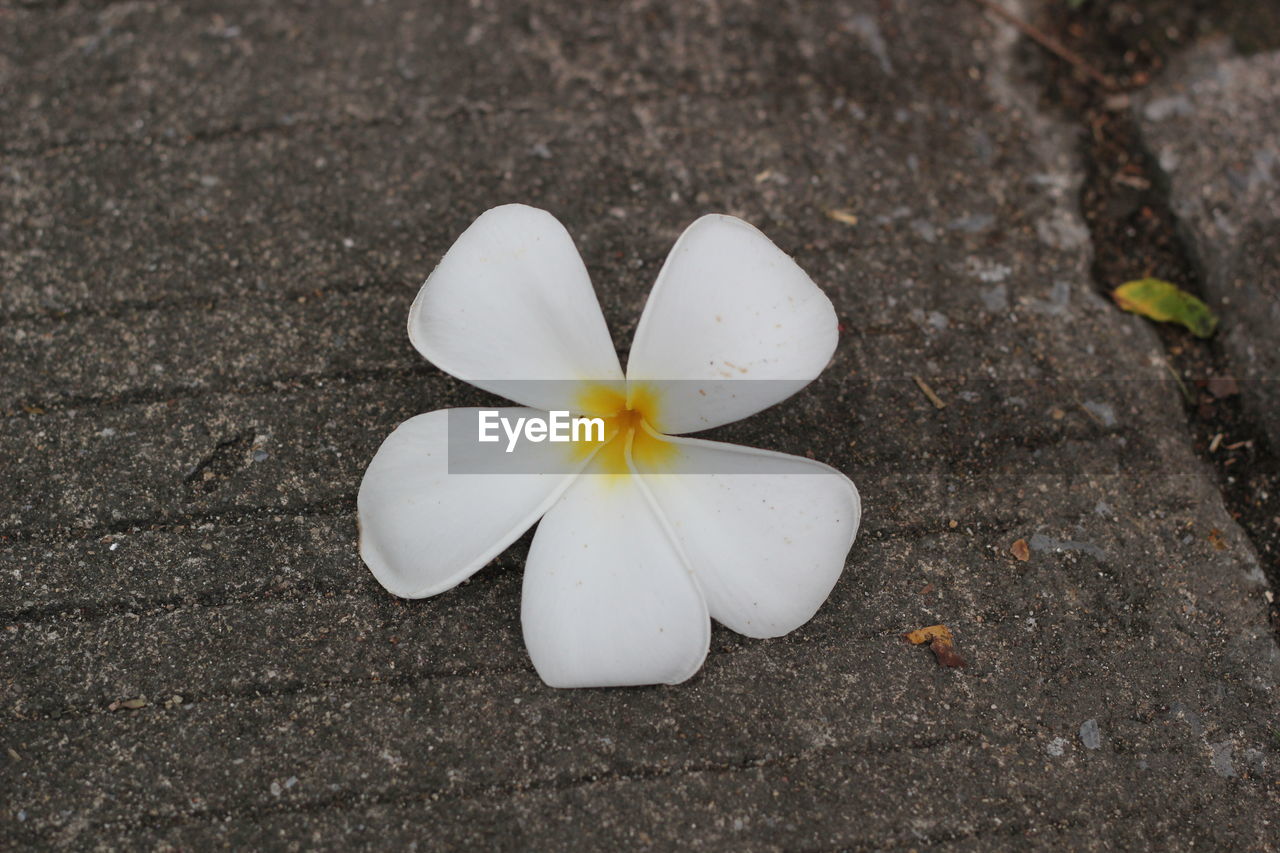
{"points": [[648, 535]]}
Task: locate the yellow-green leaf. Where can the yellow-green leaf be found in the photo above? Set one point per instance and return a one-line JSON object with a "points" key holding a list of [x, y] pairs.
{"points": [[1166, 303]]}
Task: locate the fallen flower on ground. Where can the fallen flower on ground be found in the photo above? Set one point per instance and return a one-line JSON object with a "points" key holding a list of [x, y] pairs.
{"points": [[651, 534]]}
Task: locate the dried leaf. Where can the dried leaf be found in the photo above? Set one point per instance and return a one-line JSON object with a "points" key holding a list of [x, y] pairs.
{"points": [[1166, 303], [848, 217], [939, 639], [925, 635], [1020, 550], [128, 704], [946, 654], [1215, 538], [1222, 387]]}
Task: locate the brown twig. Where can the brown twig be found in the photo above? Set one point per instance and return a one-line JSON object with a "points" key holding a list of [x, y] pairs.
{"points": [[1049, 43], [928, 392]]}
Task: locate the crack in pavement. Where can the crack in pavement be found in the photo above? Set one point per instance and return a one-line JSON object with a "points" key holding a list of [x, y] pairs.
{"points": [[1135, 233]]}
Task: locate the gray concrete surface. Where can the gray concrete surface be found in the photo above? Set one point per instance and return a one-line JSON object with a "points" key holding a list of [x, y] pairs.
{"points": [[1212, 124], [214, 219]]}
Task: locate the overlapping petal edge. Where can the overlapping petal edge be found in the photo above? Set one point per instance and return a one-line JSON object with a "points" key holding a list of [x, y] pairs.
{"points": [[624, 572]]}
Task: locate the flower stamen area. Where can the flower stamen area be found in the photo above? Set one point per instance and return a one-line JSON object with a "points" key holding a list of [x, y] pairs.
{"points": [[629, 428]]}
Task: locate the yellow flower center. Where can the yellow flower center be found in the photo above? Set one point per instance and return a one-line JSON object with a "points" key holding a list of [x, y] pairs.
{"points": [[625, 422]]}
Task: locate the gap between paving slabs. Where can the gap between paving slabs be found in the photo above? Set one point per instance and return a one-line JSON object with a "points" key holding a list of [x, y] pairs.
{"points": [[1135, 233]]}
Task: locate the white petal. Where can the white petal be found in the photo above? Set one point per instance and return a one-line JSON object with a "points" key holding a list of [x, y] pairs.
{"points": [[424, 530], [608, 600], [766, 533], [729, 305], [511, 302]]}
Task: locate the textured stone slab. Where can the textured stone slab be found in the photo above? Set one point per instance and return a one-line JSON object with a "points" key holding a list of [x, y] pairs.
{"points": [[1120, 681], [1211, 123]]}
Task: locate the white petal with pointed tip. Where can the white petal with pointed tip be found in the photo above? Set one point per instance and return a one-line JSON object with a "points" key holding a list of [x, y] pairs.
{"points": [[729, 305], [511, 301], [608, 600], [424, 530], [766, 533]]}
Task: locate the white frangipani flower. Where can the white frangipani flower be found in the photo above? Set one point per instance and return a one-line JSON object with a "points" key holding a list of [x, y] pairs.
{"points": [[650, 535]]}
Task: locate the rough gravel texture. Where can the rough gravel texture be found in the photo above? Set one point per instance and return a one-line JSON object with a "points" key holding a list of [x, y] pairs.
{"points": [[213, 219]]}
